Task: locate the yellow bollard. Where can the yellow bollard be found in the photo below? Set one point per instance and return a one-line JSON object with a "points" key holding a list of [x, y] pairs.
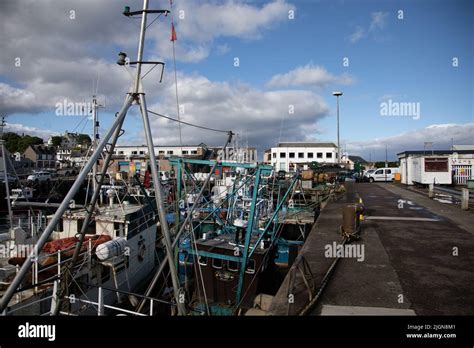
{"points": [[361, 216]]}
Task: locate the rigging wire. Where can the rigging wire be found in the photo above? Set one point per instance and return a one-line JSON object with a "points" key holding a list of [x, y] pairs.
{"points": [[188, 123], [183, 175]]}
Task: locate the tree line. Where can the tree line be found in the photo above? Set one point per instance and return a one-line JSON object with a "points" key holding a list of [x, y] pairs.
{"points": [[19, 143]]}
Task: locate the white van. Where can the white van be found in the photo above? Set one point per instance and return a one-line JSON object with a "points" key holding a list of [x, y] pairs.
{"points": [[383, 174]]}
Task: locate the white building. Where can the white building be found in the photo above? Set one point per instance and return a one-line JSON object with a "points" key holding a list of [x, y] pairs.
{"points": [[437, 165], [232, 154], [170, 150], [288, 156]]}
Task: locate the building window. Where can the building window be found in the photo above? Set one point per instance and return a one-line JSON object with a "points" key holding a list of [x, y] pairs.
{"points": [[310, 155], [300, 154], [282, 154], [134, 152], [142, 152], [319, 155], [194, 152], [292, 155], [161, 152], [328, 154], [120, 152], [274, 155], [169, 152], [436, 165], [185, 152]]}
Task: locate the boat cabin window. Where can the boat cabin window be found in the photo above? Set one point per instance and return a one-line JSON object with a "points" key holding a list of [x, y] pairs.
{"points": [[233, 266], [202, 260], [119, 230], [217, 263], [250, 267]]}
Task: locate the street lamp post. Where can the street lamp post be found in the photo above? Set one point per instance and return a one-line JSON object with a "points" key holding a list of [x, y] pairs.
{"points": [[337, 95]]}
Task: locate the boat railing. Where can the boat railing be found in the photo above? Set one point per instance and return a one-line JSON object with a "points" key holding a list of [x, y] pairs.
{"points": [[38, 271], [101, 306]]}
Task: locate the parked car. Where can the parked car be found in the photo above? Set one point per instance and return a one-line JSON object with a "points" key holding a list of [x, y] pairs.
{"points": [[39, 176], [383, 174], [367, 174]]}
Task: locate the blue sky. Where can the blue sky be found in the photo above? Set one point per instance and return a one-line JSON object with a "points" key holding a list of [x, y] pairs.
{"points": [[405, 60]]}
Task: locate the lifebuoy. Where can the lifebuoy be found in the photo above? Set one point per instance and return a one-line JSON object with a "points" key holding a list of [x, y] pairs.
{"points": [[141, 252]]}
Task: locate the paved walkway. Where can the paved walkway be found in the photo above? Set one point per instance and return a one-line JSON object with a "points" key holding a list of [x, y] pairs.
{"points": [[408, 265]]}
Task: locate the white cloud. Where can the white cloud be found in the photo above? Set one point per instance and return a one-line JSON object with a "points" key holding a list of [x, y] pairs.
{"points": [[60, 57], [254, 114], [58, 80], [440, 134], [34, 131], [222, 49], [308, 75], [205, 22], [358, 34], [379, 19], [377, 23], [16, 99]]}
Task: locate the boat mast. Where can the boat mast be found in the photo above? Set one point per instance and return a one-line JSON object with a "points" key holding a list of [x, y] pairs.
{"points": [[95, 140], [138, 91], [5, 173], [138, 96]]}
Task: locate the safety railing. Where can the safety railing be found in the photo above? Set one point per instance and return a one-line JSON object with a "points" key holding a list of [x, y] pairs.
{"points": [[464, 196]]}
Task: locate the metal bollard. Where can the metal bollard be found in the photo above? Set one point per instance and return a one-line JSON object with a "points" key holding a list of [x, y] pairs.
{"points": [[431, 191], [351, 218], [465, 199]]}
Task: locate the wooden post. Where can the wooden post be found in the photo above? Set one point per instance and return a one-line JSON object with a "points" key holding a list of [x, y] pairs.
{"points": [[431, 191], [465, 199]]}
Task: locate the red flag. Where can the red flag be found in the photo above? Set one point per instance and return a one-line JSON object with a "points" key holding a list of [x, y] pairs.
{"points": [[173, 33]]}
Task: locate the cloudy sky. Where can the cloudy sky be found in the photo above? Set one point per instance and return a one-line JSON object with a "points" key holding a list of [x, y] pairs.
{"points": [[291, 56]]}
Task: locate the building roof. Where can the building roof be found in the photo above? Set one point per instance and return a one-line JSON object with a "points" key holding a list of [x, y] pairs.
{"points": [[435, 152], [43, 150], [357, 159], [305, 144]]}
